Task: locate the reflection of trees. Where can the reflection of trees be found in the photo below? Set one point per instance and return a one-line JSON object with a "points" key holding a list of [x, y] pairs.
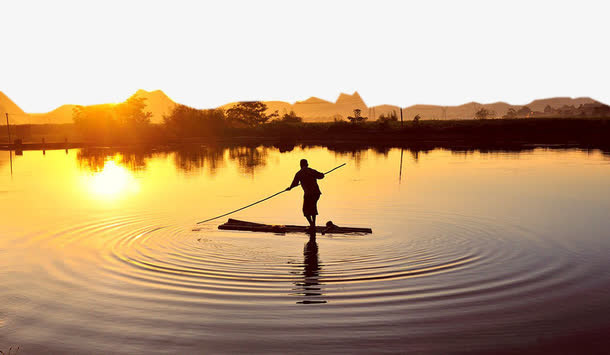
{"points": [[284, 146], [415, 154], [357, 153], [212, 157], [249, 158], [94, 160], [382, 150], [194, 159], [353, 154]]}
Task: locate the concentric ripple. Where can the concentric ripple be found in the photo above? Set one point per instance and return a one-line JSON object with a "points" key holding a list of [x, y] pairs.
{"points": [[142, 279]]}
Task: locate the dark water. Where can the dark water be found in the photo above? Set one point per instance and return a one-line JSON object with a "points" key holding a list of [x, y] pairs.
{"points": [[471, 252]]}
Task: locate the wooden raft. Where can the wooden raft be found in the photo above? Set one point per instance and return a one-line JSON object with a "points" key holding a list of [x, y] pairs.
{"points": [[234, 224]]}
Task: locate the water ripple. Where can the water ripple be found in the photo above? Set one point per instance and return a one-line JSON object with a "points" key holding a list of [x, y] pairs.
{"points": [[142, 270]]}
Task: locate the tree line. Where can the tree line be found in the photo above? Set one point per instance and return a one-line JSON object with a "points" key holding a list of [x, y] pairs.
{"points": [[129, 121], [113, 122]]}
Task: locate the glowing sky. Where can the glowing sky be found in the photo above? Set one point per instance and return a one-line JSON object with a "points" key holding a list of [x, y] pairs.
{"points": [[205, 54]]}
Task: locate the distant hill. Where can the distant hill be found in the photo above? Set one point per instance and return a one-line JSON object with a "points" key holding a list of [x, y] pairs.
{"points": [[314, 101], [556, 102], [312, 110], [157, 103], [324, 110], [467, 111], [62, 114], [16, 114], [315, 109]]}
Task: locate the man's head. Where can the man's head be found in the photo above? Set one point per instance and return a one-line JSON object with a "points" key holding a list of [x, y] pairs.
{"points": [[304, 163]]}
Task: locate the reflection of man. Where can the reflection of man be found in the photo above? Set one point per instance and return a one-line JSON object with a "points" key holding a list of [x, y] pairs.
{"points": [[308, 177], [310, 261], [311, 274]]}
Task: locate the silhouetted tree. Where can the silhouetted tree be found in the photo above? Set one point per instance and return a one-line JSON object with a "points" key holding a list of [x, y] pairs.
{"points": [[125, 121], [291, 117], [357, 116], [484, 113], [388, 117], [567, 110], [416, 118], [338, 118], [131, 112], [94, 122], [512, 113], [524, 111], [186, 121], [251, 113]]}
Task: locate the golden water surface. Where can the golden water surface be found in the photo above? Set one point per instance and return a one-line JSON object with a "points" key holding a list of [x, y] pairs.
{"points": [[470, 251]]}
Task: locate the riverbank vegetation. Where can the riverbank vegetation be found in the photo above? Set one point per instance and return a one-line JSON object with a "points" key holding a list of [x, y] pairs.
{"points": [[128, 123]]}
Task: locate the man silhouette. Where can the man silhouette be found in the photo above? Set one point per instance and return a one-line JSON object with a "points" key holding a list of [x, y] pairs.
{"points": [[308, 177]]}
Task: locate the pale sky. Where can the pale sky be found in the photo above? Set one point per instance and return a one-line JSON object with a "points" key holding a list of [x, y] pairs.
{"points": [[205, 54]]}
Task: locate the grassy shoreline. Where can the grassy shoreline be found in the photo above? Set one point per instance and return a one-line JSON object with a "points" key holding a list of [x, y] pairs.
{"points": [[470, 134]]}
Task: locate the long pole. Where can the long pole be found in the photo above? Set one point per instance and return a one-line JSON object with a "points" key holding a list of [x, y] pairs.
{"points": [[10, 152], [400, 115], [259, 201], [400, 173], [8, 130]]}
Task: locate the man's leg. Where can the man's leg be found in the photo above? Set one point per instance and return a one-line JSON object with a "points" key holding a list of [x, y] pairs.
{"points": [[311, 219], [314, 211], [312, 226], [308, 217]]}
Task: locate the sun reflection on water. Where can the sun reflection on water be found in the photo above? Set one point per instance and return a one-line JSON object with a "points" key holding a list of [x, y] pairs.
{"points": [[112, 182]]}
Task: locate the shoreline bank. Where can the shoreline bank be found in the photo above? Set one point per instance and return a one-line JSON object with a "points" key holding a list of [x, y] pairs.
{"points": [[469, 134]]}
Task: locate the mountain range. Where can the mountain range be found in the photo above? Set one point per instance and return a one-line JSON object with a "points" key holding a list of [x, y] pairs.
{"points": [[312, 110], [157, 103]]}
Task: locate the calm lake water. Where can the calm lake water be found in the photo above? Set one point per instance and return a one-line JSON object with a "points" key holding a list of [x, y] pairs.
{"points": [[470, 252]]}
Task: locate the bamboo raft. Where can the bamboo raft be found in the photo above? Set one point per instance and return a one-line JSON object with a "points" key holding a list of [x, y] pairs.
{"points": [[234, 224]]}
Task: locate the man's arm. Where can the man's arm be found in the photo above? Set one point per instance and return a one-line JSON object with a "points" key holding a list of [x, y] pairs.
{"points": [[295, 182], [318, 174]]}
